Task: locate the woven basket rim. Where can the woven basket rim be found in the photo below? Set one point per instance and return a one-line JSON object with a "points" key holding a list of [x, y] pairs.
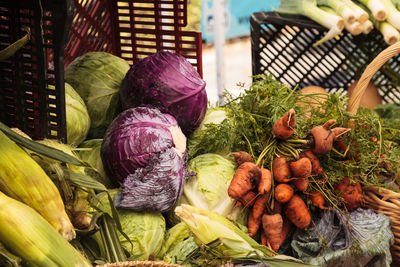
{"points": [[140, 263]]}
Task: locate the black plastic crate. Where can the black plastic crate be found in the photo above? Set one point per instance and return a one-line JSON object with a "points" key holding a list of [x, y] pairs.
{"points": [[283, 46], [31, 82]]}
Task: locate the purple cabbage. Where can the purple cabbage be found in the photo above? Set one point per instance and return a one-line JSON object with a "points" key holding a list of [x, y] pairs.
{"points": [[144, 151], [168, 81]]}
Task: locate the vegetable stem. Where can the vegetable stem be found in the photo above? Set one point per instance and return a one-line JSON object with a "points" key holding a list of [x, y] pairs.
{"points": [[377, 8]]}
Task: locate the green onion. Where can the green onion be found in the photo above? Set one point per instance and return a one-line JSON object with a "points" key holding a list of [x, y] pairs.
{"points": [[360, 13], [378, 9], [390, 34], [309, 8], [355, 28], [368, 26], [341, 8], [393, 14]]}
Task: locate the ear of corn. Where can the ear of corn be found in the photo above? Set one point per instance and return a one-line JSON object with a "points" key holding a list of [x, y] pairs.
{"points": [[23, 179], [27, 234]]}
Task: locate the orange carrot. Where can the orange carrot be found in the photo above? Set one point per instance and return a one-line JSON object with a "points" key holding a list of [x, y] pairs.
{"points": [[263, 238], [340, 187], [301, 168], [253, 224], [287, 225], [283, 128], [351, 193], [301, 184], [242, 157], [340, 145], [316, 168], [338, 131], [280, 169], [259, 206], [248, 199], [283, 193], [318, 199], [297, 212], [265, 182], [323, 138], [246, 177], [352, 197], [272, 225]]}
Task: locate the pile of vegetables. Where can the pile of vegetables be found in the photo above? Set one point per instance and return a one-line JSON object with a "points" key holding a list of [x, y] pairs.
{"points": [[357, 17], [149, 172]]}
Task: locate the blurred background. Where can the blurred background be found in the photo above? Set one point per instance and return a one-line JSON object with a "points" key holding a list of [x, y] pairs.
{"points": [[227, 58]]}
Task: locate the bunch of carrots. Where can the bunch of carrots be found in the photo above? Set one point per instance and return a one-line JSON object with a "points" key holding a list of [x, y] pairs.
{"points": [[277, 196]]}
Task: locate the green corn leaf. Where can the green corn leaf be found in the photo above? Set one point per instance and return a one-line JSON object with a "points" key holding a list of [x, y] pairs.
{"points": [[40, 148], [85, 181], [10, 50]]}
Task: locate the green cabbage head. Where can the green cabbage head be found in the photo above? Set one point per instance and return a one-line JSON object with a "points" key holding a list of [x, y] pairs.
{"points": [[77, 117], [208, 189], [97, 77], [90, 153], [146, 230]]}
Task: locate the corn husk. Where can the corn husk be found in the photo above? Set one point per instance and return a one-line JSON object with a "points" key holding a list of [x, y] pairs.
{"points": [[28, 235], [23, 179]]}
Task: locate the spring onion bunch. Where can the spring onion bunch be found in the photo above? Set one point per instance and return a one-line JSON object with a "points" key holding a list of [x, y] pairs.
{"points": [[309, 8], [357, 17]]}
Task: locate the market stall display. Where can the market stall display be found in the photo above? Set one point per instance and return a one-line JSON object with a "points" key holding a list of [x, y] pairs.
{"points": [[277, 176]]}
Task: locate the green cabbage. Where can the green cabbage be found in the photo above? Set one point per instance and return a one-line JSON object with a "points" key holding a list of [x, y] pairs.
{"points": [[178, 244], [91, 154], [77, 117], [208, 189], [146, 230], [97, 77]]}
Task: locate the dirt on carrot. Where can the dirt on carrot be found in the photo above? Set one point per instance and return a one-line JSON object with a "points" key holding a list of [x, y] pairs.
{"points": [[318, 199], [322, 138], [246, 177], [259, 206], [249, 199], [297, 212], [281, 169], [351, 193], [253, 224], [301, 184], [301, 168], [316, 168], [283, 128], [283, 192], [265, 183], [272, 226], [241, 157]]}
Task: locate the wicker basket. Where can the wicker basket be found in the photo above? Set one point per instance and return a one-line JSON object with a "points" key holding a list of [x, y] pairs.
{"points": [[380, 199], [140, 264]]}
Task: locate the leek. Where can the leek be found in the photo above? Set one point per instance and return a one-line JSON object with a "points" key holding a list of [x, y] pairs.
{"points": [[361, 15], [390, 34], [309, 8], [368, 26], [378, 9], [354, 28], [393, 14], [341, 8]]}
